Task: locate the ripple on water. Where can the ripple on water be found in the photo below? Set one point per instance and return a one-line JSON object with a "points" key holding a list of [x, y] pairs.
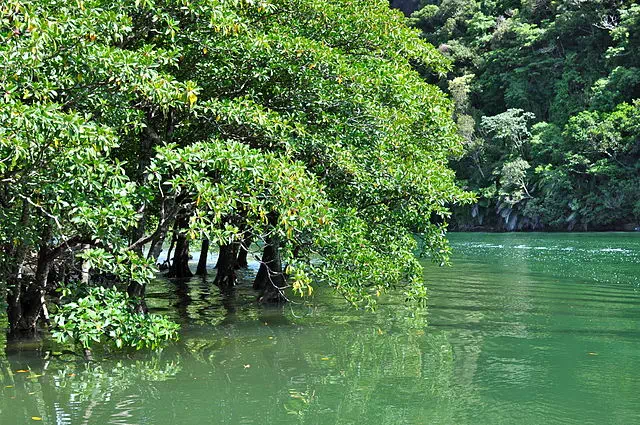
{"points": [[524, 329]]}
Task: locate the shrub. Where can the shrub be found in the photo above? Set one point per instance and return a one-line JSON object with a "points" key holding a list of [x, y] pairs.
{"points": [[107, 316]]}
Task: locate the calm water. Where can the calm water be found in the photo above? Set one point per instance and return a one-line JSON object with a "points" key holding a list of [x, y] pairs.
{"points": [[526, 329]]}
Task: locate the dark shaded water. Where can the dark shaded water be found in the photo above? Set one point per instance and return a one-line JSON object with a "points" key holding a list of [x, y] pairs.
{"points": [[528, 329]]}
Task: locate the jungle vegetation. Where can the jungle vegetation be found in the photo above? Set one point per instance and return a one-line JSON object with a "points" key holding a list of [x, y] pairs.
{"points": [[547, 96], [325, 139], [299, 133]]}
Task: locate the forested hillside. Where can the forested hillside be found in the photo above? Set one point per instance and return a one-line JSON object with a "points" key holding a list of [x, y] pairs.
{"points": [[546, 96]]}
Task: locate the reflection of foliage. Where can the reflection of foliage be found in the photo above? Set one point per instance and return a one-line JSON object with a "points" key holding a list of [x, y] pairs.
{"points": [[359, 370], [4, 376], [3, 336], [299, 402], [85, 380], [204, 349], [358, 364], [295, 369], [329, 309], [63, 391]]}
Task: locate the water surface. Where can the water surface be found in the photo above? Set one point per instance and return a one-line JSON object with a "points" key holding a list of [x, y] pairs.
{"points": [[524, 328]]}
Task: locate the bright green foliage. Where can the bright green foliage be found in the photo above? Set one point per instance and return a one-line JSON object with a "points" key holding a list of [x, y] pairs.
{"points": [[236, 188], [300, 121], [600, 168], [330, 85], [510, 128], [69, 99], [63, 80], [57, 169], [106, 315], [570, 71], [228, 179]]}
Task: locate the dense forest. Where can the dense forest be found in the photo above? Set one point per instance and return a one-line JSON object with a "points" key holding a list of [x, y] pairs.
{"points": [[235, 211], [546, 96], [314, 137], [297, 133]]}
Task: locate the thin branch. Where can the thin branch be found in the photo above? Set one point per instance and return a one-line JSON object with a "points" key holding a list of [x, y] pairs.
{"points": [[159, 229]]}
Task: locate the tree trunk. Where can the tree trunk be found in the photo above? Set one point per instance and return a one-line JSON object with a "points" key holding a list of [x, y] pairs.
{"points": [[226, 273], [139, 231], [155, 247], [243, 252], [136, 291], [26, 300], [202, 261], [148, 139], [217, 261], [15, 286], [88, 356], [270, 279], [11, 272], [85, 269], [167, 261], [180, 266]]}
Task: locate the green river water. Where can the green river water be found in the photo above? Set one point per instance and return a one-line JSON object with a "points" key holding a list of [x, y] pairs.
{"points": [[523, 329]]}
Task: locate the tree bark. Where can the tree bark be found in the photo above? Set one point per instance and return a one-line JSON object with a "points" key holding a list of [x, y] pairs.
{"points": [[243, 252], [270, 280], [180, 266], [26, 299], [202, 261], [155, 247], [85, 269], [136, 291], [15, 288], [11, 272], [226, 270], [167, 213], [167, 261], [88, 356]]}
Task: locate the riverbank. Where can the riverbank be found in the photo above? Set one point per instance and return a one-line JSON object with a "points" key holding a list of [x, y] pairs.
{"points": [[627, 227]]}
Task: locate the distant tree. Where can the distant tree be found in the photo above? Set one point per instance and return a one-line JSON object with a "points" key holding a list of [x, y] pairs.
{"points": [[547, 74]]}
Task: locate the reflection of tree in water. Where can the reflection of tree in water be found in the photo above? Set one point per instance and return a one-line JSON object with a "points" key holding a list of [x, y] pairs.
{"points": [[62, 390], [311, 364], [6, 378], [198, 301], [384, 377], [300, 370]]}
